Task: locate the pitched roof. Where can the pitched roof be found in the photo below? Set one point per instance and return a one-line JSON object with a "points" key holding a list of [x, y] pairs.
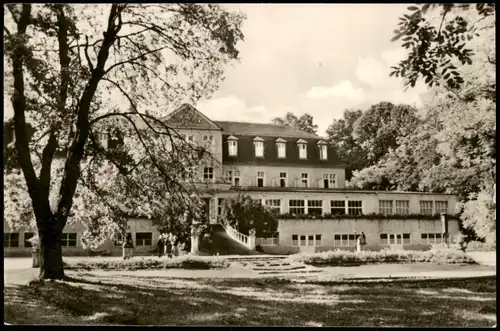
{"points": [[187, 116], [263, 129]]}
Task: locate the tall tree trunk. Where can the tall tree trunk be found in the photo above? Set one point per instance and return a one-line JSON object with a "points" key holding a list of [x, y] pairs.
{"points": [[51, 263]]}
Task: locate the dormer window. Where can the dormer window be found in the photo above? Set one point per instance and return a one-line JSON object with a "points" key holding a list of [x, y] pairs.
{"points": [[323, 150], [281, 146], [259, 146], [302, 144], [232, 142]]}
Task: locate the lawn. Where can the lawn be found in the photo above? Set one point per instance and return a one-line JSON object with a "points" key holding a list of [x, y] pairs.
{"points": [[141, 300]]}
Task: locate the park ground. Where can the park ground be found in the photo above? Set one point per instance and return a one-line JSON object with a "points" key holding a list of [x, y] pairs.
{"points": [[370, 295]]}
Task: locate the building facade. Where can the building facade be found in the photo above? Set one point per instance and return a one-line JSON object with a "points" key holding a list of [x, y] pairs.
{"points": [[299, 175]]}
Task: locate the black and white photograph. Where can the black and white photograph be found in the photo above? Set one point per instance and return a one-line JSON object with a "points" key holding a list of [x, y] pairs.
{"points": [[250, 164]]}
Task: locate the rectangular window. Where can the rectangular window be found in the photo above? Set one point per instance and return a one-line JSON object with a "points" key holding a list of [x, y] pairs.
{"points": [[281, 150], [441, 207], [402, 207], [220, 206], [337, 207], [143, 239], [282, 179], [406, 239], [302, 151], [260, 179], [345, 239], [259, 148], [236, 178], [439, 238], [385, 207], [304, 179], [27, 237], [426, 207], [329, 181], [392, 239], [310, 240], [11, 239], [208, 173], [295, 240], [296, 207], [274, 205], [68, 240], [355, 207], [302, 240], [318, 240], [233, 147], [323, 152], [208, 139], [229, 176], [384, 239], [315, 207]]}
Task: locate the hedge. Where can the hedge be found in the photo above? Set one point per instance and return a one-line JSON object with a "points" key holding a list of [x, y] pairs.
{"points": [[477, 246], [339, 258], [141, 263]]}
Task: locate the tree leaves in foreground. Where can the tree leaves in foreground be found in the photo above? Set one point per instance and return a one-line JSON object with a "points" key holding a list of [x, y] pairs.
{"points": [[438, 38], [78, 72], [303, 123]]}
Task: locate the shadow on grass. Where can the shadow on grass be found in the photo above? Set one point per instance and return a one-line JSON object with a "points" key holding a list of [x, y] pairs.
{"points": [[166, 301]]}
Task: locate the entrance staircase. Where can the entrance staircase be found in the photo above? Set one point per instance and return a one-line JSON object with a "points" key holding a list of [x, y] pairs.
{"points": [[220, 243]]}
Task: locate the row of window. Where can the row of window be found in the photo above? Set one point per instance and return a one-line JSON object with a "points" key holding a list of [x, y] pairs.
{"points": [[349, 240], [353, 207], [12, 239], [69, 239], [281, 147], [207, 139]]}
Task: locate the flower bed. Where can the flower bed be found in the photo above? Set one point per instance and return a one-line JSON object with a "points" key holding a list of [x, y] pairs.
{"points": [[342, 258], [141, 263]]}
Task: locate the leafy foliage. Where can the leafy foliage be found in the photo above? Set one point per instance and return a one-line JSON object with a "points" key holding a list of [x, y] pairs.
{"points": [[178, 262], [436, 47], [349, 150], [480, 214], [304, 122], [244, 214], [77, 73], [340, 258]]}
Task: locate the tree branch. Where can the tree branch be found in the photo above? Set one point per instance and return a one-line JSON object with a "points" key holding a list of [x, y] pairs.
{"points": [[134, 58], [19, 105], [86, 50]]}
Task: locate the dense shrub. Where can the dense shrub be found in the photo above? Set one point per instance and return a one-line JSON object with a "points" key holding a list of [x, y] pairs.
{"points": [[339, 258], [477, 246], [181, 262]]}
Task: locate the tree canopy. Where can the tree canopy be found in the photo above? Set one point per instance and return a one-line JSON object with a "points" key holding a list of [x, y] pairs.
{"points": [[77, 72], [245, 214], [304, 122]]}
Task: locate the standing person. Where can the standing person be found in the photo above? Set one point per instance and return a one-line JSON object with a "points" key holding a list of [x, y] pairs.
{"points": [[160, 245]]}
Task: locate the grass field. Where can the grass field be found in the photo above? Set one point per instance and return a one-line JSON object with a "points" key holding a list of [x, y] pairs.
{"points": [[140, 300]]}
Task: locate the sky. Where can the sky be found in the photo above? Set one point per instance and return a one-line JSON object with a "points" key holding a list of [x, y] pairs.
{"points": [[319, 59], [312, 58]]}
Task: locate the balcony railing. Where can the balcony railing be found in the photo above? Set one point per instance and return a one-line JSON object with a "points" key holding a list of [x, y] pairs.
{"points": [[235, 235]]}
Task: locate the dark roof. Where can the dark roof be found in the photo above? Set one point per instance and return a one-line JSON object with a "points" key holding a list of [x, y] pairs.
{"points": [[246, 152], [262, 129], [188, 117]]}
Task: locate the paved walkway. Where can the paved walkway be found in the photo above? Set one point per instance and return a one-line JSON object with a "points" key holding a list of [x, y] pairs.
{"points": [[18, 271]]}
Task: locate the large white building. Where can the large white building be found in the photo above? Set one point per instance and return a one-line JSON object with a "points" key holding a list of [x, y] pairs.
{"points": [[299, 175]]}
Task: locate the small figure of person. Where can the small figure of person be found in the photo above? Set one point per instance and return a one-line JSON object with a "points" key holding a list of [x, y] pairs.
{"points": [[160, 245], [360, 242]]}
